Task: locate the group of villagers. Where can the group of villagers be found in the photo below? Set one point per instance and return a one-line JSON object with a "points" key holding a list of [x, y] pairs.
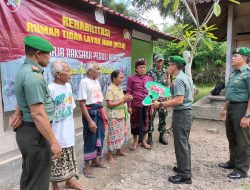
{"points": [[114, 116], [96, 118]]}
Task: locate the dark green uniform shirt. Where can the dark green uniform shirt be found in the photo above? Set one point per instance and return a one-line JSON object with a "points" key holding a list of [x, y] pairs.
{"points": [[182, 85], [31, 88], [238, 86]]}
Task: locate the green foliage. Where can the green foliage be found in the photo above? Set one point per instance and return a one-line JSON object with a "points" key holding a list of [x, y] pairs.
{"points": [[204, 89], [166, 9], [206, 57], [166, 49], [217, 9], [191, 36], [121, 7], [208, 63]]}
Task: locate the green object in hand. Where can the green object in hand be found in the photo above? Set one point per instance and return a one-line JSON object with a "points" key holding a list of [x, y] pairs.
{"points": [[155, 90]]}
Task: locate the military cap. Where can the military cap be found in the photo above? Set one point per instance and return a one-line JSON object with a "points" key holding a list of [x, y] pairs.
{"points": [[242, 51], [140, 62], [158, 57], [38, 43], [177, 59]]}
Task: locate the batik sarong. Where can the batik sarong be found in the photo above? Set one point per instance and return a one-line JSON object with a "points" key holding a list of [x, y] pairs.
{"points": [[93, 142], [64, 167]]}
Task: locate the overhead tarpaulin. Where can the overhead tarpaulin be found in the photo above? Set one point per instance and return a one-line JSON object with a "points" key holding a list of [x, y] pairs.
{"points": [[76, 36]]}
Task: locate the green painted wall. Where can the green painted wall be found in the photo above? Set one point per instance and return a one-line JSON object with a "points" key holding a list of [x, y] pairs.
{"points": [[141, 49]]}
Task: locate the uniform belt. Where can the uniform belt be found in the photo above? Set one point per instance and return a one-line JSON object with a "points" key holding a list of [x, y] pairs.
{"points": [[233, 102], [30, 124], [184, 109]]}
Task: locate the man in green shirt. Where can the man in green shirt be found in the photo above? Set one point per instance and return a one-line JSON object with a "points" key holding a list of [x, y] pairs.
{"points": [[236, 113], [160, 75], [34, 137], [182, 88]]}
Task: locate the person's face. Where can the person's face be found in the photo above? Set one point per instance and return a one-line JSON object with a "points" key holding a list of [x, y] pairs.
{"points": [[65, 75], [95, 72], [159, 64], [171, 68], [141, 69], [43, 58], [238, 60], [118, 80]]}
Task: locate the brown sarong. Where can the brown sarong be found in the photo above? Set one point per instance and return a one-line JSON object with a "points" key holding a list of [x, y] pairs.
{"points": [[139, 121]]}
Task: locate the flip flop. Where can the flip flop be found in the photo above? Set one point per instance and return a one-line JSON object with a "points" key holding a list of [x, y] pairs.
{"points": [[89, 174], [146, 147], [133, 147], [97, 166]]}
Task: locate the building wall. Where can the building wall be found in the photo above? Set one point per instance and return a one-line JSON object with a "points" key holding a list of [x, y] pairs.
{"points": [[141, 49]]}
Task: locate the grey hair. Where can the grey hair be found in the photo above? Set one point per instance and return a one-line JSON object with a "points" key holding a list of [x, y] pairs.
{"points": [[57, 66], [90, 66]]}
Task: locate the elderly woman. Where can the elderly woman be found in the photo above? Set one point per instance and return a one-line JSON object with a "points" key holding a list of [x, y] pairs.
{"points": [[140, 114], [63, 168], [117, 114], [93, 117]]}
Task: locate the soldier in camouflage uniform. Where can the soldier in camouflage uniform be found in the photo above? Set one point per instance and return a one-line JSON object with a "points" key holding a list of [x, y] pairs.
{"points": [[160, 75]]}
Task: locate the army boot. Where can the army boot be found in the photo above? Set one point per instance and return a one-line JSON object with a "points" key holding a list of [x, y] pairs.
{"points": [[150, 139], [163, 139]]}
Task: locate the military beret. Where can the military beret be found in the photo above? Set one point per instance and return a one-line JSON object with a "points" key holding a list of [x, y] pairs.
{"points": [[38, 43], [177, 59], [140, 62], [159, 57], [242, 51]]}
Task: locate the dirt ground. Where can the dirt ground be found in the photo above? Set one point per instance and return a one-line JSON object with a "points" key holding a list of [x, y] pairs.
{"points": [[149, 169]]}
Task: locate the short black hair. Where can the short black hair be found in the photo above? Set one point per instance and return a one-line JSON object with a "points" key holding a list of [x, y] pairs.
{"points": [[32, 51], [115, 74], [179, 66], [247, 58]]}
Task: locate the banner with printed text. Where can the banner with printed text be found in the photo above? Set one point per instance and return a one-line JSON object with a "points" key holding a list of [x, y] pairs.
{"points": [[75, 34]]}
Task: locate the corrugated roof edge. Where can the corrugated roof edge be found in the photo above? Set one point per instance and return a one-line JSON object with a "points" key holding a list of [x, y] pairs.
{"points": [[129, 19]]}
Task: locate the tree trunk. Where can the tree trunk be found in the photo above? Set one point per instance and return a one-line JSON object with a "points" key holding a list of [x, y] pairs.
{"points": [[188, 57]]}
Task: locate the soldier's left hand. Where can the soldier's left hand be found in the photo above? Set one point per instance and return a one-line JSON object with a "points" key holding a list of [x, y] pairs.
{"points": [[15, 120], [156, 104], [244, 123]]}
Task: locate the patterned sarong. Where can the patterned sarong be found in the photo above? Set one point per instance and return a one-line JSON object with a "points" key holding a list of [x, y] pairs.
{"points": [[93, 142], [117, 133], [64, 167]]}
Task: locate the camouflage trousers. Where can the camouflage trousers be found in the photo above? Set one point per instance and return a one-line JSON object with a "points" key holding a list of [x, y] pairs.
{"points": [[162, 113]]}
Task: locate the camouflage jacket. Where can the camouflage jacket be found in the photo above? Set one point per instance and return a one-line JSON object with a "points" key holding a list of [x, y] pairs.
{"points": [[160, 77]]}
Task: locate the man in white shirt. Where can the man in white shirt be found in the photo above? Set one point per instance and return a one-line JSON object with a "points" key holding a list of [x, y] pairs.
{"points": [[64, 168], [90, 99]]}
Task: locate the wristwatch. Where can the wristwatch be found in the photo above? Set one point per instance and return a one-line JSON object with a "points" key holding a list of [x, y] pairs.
{"points": [[160, 105], [247, 115]]}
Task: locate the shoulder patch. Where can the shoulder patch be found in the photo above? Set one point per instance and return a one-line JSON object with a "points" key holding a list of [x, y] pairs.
{"points": [[39, 76], [35, 69]]}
